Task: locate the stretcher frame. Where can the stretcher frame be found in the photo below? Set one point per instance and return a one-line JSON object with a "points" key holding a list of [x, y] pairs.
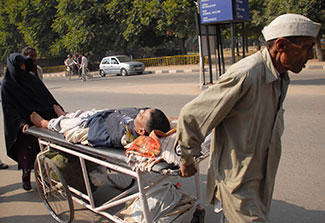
{"points": [[113, 159]]}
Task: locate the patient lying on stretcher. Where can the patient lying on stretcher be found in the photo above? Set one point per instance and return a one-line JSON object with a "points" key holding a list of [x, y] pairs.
{"points": [[119, 127], [107, 128]]}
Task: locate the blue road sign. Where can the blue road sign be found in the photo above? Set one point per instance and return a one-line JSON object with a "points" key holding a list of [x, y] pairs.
{"points": [[214, 11], [241, 9]]}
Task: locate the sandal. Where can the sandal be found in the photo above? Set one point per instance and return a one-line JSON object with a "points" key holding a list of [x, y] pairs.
{"points": [[3, 166]]}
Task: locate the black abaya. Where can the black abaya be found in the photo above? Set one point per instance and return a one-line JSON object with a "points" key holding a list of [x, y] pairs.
{"points": [[22, 93]]}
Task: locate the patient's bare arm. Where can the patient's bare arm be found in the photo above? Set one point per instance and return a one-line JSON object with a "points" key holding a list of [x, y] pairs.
{"points": [[38, 121]]}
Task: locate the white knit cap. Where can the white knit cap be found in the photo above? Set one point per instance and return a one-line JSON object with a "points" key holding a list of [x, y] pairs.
{"points": [[290, 25]]}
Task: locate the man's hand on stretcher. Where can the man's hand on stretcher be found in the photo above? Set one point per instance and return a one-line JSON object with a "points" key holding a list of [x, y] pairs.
{"points": [[187, 169]]}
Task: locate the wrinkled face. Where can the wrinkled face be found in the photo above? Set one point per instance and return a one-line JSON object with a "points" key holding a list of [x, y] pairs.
{"points": [[32, 54], [297, 53], [141, 121]]}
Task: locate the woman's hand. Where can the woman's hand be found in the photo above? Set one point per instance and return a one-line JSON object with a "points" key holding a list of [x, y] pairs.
{"points": [[25, 127]]}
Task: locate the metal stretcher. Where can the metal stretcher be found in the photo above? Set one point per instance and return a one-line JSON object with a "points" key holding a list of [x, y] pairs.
{"points": [[58, 196]]}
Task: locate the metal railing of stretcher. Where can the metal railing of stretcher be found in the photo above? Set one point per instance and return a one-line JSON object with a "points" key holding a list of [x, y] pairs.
{"points": [[55, 191]]}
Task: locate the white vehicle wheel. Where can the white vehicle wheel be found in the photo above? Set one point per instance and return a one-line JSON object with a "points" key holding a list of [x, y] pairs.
{"points": [[124, 72], [102, 73]]}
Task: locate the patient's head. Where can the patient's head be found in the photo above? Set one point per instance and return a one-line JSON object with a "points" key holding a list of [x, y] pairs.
{"points": [[151, 119]]}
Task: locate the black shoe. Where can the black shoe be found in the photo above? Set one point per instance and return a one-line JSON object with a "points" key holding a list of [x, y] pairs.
{"points": [[3, 166], [27, 186], [26, 179]]}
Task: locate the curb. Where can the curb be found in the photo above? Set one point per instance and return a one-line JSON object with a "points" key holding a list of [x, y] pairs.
{"points": [[48, 75], [316, 67], [309, 67], [147, 72], [174, 71]]}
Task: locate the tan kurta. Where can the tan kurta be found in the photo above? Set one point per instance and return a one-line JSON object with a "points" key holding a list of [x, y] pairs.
{"points": [[242, 110]]}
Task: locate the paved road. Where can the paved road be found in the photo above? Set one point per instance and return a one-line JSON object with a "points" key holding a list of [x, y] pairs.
{"points": [[299, 195]]}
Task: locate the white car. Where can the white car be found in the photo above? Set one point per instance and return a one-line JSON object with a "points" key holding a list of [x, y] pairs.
{"points": [[120, 65]]}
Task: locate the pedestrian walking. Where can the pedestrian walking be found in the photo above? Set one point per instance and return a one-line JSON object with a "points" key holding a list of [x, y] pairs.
{"points": [[84, 68], [36, 70], [244, 111], [69, 64], [79, 65]]}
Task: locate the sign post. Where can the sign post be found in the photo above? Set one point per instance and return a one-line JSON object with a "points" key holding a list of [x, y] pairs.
{"points": [[216, 12]]}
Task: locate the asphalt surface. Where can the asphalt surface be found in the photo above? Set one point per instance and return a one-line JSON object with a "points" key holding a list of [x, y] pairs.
{"points": [[299, 194]]}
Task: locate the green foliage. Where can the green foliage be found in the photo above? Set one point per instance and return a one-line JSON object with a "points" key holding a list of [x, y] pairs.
{"points": [[136, 21], [11, 40], [36, 19], [257, 19], [313, 9], [83, 26], [178, 17], [150, 22], [98, 27]]}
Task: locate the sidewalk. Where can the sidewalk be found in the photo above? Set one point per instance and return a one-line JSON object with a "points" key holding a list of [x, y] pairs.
{"points": [[312, 64], [192, 68]]}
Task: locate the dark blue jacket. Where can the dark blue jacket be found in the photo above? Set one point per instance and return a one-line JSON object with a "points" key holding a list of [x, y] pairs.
{"points": [[106, 128]]}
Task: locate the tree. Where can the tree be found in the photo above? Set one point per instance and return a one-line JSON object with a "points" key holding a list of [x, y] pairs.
{"points": [[29, 22], [35, 24], [11, 40], [137, 23], [257, 19], [56, 27], [150, 22], [98, 27], [82, 26], [178, 19], [313, 9]]}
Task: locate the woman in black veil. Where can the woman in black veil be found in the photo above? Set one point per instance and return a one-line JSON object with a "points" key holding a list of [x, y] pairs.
{"points": [[23, 93]]}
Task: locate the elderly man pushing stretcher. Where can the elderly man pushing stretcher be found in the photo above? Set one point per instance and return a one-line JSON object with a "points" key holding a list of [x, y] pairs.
{"points": [[244, 111]]}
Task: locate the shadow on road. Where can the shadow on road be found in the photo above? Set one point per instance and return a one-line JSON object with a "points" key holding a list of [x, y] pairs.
{"points": [[283, 212], [320, 81], [29, 218]]}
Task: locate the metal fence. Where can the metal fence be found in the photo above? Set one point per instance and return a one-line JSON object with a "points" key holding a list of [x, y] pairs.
{"points": [[148, 62], [170, 60], [54, 69]]}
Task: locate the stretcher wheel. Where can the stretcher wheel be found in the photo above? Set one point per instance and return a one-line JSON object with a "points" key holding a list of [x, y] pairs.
{"points": [[119, 180], [54, 191]]}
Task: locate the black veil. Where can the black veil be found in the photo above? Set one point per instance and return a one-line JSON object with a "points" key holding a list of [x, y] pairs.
{"points": [[22, 93]]}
